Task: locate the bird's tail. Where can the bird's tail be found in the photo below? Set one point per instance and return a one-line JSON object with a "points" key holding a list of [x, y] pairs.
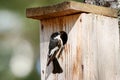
{"points": [[56, 67]]}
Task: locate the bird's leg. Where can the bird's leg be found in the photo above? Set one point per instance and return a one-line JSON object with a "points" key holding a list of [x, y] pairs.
{"points": [[60, 52]]}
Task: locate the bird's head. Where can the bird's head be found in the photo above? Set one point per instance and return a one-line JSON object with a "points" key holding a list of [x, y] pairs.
{"points": [[61, 34], [55, 34]]}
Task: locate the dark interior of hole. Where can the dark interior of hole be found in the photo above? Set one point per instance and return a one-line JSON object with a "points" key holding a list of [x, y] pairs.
{"points": [[64, 37]]}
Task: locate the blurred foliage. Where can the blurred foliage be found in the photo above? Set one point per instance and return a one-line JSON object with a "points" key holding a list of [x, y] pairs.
{"points": [[30, 32]]}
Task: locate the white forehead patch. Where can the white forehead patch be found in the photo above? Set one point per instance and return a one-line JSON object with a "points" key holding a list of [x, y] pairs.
{"points": [[57, 37]]}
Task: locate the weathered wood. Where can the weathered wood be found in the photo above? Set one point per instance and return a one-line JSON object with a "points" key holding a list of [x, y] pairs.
{"points": [[70, 60], [92, 50], [67, 8], [100, 47]]}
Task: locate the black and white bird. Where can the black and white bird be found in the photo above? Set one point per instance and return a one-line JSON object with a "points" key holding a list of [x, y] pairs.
{"points": [[56, 45]]}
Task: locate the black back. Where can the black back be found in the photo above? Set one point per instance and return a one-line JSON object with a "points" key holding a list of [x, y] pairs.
{"points": [[53, 42]]}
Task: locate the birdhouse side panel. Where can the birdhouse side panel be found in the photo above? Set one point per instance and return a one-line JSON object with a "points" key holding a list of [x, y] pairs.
{"points": [[100, 47]]}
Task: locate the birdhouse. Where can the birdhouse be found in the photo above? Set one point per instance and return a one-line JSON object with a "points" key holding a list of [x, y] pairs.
{"points": [[92, 48]]}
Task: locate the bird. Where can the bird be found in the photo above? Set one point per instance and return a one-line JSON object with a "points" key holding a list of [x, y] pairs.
{"points": [[56, 45]]}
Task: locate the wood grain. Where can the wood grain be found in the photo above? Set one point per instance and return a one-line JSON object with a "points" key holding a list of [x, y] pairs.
{"points": [[70, 60], [92, 50], [100, 47], [68, 8]]}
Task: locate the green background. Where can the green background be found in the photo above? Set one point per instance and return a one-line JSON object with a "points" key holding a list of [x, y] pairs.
{"points": [[19, 36]]}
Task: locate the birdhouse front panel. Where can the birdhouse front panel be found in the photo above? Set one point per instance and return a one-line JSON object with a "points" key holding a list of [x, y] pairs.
{"points": [[70, 59]]}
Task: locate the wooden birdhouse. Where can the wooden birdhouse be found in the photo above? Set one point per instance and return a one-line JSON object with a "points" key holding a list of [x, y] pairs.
{"points": [[92, 48]]}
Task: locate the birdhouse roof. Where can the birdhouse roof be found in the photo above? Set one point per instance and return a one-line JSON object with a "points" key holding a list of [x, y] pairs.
{"points": [[68, 8]]}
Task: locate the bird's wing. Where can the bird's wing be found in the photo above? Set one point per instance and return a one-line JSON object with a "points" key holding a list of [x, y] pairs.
{"points": [[54, 47], [52, 57]]}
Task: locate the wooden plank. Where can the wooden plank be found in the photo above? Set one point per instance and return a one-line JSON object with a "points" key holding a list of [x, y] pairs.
{"points": [[100, 47], [70, 59], [68, 8]]}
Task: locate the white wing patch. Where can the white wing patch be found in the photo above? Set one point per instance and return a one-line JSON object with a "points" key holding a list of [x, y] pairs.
{"points": [[61, 42], [53, 50]]}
